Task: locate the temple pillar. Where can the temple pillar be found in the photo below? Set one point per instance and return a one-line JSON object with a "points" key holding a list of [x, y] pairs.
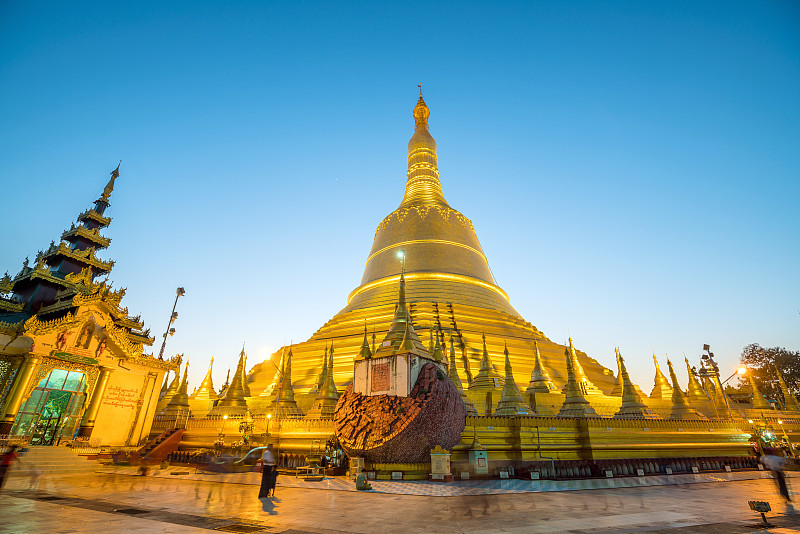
{"points": [[24, 376], [87, 425]]}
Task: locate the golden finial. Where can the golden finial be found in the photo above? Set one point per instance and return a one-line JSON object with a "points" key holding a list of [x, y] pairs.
{"points": [[110, 186], [421, 113]]}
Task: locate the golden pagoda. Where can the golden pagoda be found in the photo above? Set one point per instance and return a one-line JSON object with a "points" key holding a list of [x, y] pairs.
{"points": [[202, 400], [681, 409], [179, 403], [661, 386], [511, 401], [789, 402], [632, 405], [232, 401], [456, 380], [448, 283]]}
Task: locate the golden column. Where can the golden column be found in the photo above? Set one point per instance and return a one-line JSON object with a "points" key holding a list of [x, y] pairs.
{"points": [[24, 376], [87, 425]]}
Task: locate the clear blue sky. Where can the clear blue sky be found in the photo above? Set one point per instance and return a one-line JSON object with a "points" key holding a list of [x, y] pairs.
{"points": [[631, 168]]}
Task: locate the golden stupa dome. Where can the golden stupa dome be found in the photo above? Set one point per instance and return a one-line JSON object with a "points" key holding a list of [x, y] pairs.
{"points": [[443, 258]]}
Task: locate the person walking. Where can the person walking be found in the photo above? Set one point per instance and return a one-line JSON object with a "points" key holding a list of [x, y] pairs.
{"points": [[5, 463], [775, 462], [267, 469]]}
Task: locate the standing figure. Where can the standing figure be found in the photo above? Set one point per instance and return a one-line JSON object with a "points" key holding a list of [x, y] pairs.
{"points": [[268, 473], [5, 463], [774, 461]]}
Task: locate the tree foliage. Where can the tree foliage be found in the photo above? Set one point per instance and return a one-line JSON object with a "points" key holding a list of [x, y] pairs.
{"points": [[761, 363]]}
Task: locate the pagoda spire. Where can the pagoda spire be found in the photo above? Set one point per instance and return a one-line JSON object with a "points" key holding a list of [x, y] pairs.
{"points": [[759, 402], [681, 409], [173, 388], [438, 354], [617, 391], [245, 385], [632, 405], [323, 373], [103, 202], [661, 387], [272, 388], [68, 268], [232, 401], [401, 336], [365, 353], [575, 404], [285, 405], [207, 385], [789, 401], [540, 379], [585, 385], [452, 372], [180, 401], [511, 401], [694, 390], [325, 404], [487, 378], [422, 178], [202, 399]]}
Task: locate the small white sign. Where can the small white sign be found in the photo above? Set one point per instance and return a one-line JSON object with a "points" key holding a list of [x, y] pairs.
{"points": [[760, 467], [534, 475], [728, 468], [669, 470], [464, 475], [609, 474], [503, 474], [640, 472], [437, 476], [397, 475], [695, 469], [608, 428]]}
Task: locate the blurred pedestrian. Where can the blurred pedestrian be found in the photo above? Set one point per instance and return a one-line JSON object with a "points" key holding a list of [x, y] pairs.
{"points": [[5, 463], [267, 470], [774, 461]]}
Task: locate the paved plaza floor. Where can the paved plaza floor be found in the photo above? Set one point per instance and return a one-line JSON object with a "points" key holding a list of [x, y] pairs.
{"points": [[119, 502]]}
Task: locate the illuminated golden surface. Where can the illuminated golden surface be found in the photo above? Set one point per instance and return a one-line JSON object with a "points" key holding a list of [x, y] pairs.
{"points": [[448, 283]]}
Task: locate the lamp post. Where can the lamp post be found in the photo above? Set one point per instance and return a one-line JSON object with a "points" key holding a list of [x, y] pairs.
{"points": [[712, 372], [269, 417], [174, 315]]}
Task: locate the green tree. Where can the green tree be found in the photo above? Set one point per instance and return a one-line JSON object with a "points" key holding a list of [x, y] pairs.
{"points": [[761, 363]]}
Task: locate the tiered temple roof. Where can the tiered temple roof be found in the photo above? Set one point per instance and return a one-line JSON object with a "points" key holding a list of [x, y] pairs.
{"points": [[64, 276]]}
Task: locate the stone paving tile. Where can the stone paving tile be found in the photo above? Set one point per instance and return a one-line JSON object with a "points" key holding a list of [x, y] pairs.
{"points": [[675, 508], [469, 487]]}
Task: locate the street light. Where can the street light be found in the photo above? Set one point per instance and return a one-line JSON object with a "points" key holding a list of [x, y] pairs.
{"points": [[740, 371], [712, 372], [269, 416], [172, 317]]}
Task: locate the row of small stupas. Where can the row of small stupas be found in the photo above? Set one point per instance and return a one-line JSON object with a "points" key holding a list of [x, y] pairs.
{"points": [[495, 393], [450, 292], [61, 312]]}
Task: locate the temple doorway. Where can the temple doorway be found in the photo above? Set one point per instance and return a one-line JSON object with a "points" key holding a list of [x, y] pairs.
{"points": [[53, 409]]}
